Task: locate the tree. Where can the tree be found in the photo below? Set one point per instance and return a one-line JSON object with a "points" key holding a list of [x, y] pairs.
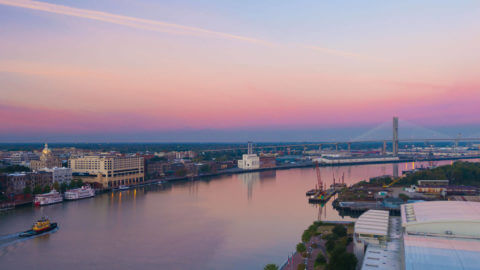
{"points": [[301, 267], [342, 261], [270, 266], [301, 248], [320, 260], [306, 236], [63, 187], [339, 230], [37, 189], [46, 189], [330, 245], [56, 186], [27, 190]]}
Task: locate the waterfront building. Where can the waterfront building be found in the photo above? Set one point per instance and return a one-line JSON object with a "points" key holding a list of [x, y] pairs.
{"points": [[47, 160], [109, 171], [377, 240], [60, 175], [16, 182], [249, 162], [267, 161]]}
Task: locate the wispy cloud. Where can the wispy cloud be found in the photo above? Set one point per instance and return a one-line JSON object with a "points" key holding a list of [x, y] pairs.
{"points": [[146, 24], [158, 26]]}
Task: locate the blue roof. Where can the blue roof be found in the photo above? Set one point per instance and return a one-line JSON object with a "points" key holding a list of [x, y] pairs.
{"points": [[426, 257]]}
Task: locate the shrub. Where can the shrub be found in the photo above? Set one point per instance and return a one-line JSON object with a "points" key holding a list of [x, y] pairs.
{"points": [[320, 260], [330, 245], [339, 230], [301, 248], [301, 267], [270, 266]]}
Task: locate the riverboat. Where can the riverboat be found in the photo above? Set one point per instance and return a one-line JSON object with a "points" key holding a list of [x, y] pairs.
{"points": [[79, 193], [48, 198]]}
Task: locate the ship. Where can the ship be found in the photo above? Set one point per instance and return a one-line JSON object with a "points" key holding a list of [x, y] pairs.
{"points": [[48, 198], [322, 196], [79, 193], [123, 187], [43, 225]]}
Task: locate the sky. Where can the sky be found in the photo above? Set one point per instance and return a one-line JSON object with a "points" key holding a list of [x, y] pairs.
{"points": [[218, 70]]}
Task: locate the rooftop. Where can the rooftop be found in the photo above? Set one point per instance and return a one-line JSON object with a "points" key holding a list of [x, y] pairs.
{"points": [[423, 252], [439, 212], [372, 222]]}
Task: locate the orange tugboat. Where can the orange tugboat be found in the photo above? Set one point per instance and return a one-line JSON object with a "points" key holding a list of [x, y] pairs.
{"points": [[41, 226]]}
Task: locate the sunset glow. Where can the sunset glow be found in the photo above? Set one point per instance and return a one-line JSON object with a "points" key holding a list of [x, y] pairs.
{"points": [[116, 66]]}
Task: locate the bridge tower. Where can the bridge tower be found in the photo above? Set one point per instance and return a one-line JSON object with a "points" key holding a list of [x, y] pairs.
{"points": [[395, 136]]}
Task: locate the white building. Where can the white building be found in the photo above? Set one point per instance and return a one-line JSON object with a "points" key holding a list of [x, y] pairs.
{"points": [[249, 162], [60, 175]]}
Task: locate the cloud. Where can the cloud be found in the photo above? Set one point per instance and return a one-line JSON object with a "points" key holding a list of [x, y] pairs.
{"points": [[158, 26], [139, 23]]}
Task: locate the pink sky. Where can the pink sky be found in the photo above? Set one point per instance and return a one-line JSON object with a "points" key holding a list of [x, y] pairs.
{"points": [[65, 73]]}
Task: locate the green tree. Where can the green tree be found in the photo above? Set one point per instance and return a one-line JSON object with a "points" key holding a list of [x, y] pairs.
{"points": [[27, 190], [330, 245], [63, 187], [56, 186], [320, 260], [306, 236], [301, 248], [46, 189], [37, 189], [339, 230], [270, 266], [301, 267], [342, 261]]}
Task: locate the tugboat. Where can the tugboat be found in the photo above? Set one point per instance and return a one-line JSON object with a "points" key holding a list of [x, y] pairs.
{"points": [[41, 226]]}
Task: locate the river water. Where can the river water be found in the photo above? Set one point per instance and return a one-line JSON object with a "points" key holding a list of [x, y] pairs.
{"points": [[239, 221]]}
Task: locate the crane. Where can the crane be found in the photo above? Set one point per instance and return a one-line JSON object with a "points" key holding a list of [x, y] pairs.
{"points": [[319, 177]]}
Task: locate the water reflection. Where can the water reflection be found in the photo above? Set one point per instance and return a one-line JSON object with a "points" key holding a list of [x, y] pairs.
{"points": [[250, 179], [228, 222]]}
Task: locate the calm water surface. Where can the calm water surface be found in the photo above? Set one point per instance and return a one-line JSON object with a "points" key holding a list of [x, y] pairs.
{"points": [[231, 222]]}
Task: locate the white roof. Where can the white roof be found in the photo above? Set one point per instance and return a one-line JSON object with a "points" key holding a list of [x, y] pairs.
{"points": [[440, 211], [373, 222]]}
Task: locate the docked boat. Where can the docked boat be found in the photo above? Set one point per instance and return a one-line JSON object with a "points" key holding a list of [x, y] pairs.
{"points": [[79, 193], [48, 198], [312, 192], [161, 182], [43, 225], [123, 187]]}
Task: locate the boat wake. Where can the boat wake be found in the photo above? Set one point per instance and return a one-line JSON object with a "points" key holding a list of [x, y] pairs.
{"points": [[14, 238]]}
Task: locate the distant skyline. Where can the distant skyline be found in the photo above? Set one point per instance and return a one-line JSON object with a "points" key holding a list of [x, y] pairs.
{"points": [[232, 71]]}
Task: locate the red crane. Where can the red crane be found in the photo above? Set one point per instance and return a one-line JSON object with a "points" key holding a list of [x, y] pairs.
{"points": [[319, 177]]}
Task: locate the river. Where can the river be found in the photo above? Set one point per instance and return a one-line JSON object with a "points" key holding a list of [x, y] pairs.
{"points": [[241, 221]]}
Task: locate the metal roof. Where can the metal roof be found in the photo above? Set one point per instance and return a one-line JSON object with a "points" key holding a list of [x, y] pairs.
{"points": [[423, 252], [373, 222], [440, 211]]}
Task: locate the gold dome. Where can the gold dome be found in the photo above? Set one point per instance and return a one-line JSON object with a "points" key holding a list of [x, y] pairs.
{"points": [[46, 151]]}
